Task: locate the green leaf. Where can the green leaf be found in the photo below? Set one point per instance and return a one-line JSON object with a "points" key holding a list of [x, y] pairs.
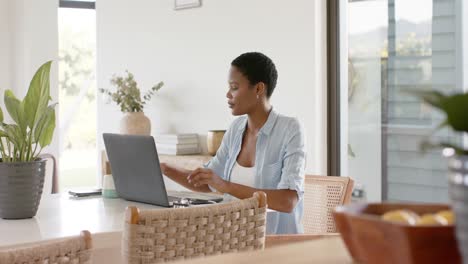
{"points": [[38, 95], [15, 109], [1, 115], [14, 134], [44, 129], [456, 107], [157, 86]]}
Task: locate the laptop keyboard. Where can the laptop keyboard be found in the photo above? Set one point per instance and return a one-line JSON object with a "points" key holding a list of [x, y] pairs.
{"points": [[195, 195], [173, 198]]}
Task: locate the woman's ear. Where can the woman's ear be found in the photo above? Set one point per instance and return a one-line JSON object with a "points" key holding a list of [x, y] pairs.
{"points": [[260, 89]]}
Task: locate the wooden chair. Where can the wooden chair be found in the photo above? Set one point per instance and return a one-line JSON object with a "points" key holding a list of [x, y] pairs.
{"points": [[76, 250], [172, 234], [321, 195], [54, 174]]}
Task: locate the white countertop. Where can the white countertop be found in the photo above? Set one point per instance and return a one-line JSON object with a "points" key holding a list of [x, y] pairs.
{"points": [[60, 216]]}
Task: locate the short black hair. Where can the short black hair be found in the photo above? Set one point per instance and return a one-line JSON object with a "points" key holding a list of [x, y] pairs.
{"points": [[257, 67]]}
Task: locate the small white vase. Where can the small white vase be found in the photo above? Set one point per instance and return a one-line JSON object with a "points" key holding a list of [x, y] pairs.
{"points": [[135, 123]]}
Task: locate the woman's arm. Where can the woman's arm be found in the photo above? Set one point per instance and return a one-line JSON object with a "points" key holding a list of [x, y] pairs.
{"points": [[279, 200], [180, 176]]}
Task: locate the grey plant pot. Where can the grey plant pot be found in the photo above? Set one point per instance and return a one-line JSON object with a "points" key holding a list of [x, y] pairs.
{"points": [[21, 185], [458, 184]]}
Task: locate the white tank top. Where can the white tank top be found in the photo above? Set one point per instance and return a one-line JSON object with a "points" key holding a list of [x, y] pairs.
{"points": [[243, 175]]}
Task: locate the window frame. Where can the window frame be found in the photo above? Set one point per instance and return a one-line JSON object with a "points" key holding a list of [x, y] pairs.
{"points": [[333, 88], [77, 4]]}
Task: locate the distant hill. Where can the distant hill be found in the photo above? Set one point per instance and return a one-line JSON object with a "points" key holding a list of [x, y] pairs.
{"points": [[404, 28]]}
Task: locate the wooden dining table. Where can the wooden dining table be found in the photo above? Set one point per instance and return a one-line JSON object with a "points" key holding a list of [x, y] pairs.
{"points": [[323, 250]]}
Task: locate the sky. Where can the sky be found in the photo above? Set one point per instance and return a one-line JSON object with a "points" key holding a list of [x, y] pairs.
{"points": [[366, 16], [82, 17]]}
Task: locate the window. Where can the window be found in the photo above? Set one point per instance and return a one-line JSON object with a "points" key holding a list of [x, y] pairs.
{"points": [[77, 94], [395, 46]]}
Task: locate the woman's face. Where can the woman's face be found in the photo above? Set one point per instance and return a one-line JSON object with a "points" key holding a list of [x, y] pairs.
{"points": [[241, 95]]}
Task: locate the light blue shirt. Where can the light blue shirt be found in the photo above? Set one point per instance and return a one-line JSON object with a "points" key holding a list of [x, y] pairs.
{"points": [[279, 163]]}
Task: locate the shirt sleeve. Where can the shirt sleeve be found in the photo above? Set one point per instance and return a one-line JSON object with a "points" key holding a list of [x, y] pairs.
{"points": [[292, 174], [218, 163]]}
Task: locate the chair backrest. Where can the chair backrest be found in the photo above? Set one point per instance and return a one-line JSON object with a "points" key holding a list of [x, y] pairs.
{"points": [[51, 185], [321, 195], [160, 235], [76, 250]]}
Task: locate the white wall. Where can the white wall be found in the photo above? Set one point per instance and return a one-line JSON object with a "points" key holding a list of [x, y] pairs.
{"points": [[28, 38], [191, 51], [34, 36], [5, 82]]}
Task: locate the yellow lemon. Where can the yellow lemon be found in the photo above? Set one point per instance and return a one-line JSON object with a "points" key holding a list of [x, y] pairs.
{"points": [[428, 219], [446, 217], [401, 216]]}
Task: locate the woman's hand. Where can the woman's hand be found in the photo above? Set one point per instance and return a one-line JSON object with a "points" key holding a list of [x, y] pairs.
{"points": [[202, 176], [164, 168], [180, 176]]}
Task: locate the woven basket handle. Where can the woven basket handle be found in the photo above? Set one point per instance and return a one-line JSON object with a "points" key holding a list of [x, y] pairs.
{"points": [[262, 198]]}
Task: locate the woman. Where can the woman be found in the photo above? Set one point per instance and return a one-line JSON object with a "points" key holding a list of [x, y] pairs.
{"points": [[262, 150]]}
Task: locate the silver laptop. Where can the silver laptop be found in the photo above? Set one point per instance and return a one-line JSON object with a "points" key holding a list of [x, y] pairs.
{"points": [[137, 174]]}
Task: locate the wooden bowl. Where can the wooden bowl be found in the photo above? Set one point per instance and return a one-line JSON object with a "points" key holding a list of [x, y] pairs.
{"points": [[372, 240]]}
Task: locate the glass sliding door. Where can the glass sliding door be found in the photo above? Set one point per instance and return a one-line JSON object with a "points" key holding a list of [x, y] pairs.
{"points": [[395, 46]]}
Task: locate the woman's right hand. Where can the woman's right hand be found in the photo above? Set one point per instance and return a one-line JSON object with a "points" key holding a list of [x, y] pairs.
{"points": [[164, 168], [203, 176], [181, 177]]}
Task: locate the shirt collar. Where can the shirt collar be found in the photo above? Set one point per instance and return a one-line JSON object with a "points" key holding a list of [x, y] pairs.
{"points": [[267, 127]]}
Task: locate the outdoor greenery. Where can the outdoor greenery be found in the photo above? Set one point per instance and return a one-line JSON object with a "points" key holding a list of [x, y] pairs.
{"points": [[455, 106], [128, 95], [77, 97], [34, 120]]}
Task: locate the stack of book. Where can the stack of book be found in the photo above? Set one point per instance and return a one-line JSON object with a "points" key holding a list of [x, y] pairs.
{"points": [[177, 144]]}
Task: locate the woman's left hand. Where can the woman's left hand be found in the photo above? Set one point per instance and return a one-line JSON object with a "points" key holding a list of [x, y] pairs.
{"points": [[203, 176]]}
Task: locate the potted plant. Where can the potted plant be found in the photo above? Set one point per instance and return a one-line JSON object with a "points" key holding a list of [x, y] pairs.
{"points": [[455, 106], [128, 97], [22, 169]]}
